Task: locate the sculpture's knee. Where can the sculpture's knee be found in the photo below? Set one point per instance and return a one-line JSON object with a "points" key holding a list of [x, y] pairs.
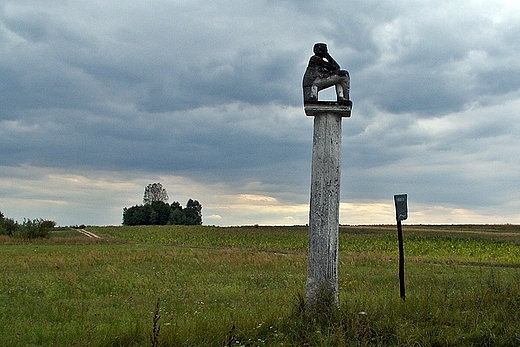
{"points": [[343, 88], [310, 94], [339, 91]]}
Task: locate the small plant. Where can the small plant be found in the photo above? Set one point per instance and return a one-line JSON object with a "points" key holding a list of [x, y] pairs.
{"points": [[154, 336], [324, 310], [314, 324], [231, 338]]}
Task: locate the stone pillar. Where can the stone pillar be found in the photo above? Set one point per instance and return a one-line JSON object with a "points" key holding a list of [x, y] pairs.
{"points": [[322, 273]]}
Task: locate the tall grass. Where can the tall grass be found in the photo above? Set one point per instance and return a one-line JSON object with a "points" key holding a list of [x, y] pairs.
{"points": [[244, 287]]}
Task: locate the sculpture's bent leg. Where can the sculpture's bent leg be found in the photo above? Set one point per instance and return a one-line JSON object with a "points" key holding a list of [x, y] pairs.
{"points": [[310, 94], [343, 86], [342, 91], [341, 82], [339, 92]]}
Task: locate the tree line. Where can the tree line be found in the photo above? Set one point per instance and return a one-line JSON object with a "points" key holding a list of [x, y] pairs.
{"points": [[155, 210], [29, 228]]}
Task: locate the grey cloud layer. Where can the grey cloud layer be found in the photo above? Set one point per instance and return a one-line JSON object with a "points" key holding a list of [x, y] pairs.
{"points": [[215, 88], [177, 57]]}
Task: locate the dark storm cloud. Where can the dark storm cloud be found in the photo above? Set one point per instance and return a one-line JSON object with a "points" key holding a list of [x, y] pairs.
{"points": [[403, 59], [213, 91]]}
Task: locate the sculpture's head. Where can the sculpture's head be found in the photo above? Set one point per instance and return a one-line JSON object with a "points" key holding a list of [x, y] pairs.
{"points": [[320, 49]]}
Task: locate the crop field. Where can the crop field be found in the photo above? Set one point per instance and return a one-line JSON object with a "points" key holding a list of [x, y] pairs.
{"points": [[243, 286]]}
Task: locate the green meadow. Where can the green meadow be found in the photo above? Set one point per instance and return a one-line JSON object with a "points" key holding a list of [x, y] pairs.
{"points": [[244, 286]]}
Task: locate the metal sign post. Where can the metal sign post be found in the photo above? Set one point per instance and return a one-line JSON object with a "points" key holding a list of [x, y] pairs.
{"points": [[401, 213]]}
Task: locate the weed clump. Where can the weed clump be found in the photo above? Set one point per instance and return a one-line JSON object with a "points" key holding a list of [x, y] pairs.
{"points": [[154, 336]]}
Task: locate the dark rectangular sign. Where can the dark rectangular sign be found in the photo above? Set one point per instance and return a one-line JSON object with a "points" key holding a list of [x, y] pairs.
{"points": [[401, 206]]}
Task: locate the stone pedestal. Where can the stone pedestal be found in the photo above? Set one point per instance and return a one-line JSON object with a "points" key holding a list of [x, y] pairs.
{"points": [[322, 274]]}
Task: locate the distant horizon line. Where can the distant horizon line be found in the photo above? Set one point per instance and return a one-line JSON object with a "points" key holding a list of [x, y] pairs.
{"points": [[306, 225]]}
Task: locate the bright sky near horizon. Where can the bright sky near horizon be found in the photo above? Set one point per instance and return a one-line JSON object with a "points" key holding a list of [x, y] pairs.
{"points": [[100, 98]]}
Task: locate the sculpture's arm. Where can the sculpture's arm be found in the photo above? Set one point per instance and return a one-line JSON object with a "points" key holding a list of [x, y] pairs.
{"points": [[324, 64], [332, 62]]}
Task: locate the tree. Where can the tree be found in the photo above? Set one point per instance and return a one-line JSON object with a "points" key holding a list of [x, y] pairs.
{"points": [[156, 211], [154, 192], [11, 226], [8, 226], [193, 213], [176, 214], [160, 213], [137, 215]]}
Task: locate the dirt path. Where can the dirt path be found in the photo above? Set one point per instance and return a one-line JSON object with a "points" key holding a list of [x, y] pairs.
{"points": [[88, 233]]}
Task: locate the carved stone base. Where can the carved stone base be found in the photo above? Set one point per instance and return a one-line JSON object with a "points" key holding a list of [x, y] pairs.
{"points": [[318, 107]]}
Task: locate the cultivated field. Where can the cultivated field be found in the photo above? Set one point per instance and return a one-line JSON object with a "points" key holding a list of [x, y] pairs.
{"points": [[243, 286]]}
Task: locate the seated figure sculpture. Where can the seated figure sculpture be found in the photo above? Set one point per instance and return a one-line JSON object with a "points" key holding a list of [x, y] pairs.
{"points": [[324, 72]]}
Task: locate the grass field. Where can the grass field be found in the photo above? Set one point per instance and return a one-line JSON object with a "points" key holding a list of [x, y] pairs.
{"points": [[242, 286]]}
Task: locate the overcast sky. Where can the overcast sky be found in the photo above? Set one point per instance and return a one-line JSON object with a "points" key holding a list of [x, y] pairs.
{"points": [[100, 98]]}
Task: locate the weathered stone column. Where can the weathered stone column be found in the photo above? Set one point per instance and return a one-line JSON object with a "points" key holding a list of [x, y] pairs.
{"points": [[322, 273], [323, 72]]}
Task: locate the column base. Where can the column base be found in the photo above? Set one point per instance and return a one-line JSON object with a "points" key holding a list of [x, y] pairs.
{"points": [[318, 107]]}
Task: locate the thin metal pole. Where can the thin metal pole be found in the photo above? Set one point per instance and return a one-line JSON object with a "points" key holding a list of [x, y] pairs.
{"points": [[401, 260]]}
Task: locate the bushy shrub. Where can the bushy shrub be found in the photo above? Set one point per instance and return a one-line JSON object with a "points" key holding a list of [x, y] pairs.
{"points": [[29, 228], [36, 228], [10, 226]]}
